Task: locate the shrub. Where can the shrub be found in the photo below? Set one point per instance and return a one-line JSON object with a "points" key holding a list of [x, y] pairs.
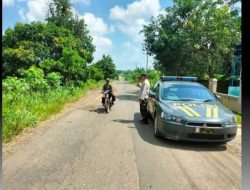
{"points": [[15, 85], [35, 77], [54, 79]]}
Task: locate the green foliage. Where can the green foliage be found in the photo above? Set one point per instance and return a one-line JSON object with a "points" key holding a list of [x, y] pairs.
{"points": [[14, 59], [193, 38], [107, 66], [239, 120], [54, 49], [153, 76], [133, 76], [95, 73], [73, 67], [35, 78], [54, 79], [29, 109], [61, 14], [13, 84]]}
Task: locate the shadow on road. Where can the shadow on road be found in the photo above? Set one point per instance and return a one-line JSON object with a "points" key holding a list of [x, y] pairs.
{"points": [[123, 121], [98, 110], [127, 97], [134, 92], [146, 132]]}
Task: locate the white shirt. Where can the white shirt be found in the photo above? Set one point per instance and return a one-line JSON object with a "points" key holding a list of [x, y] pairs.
{"points": [[144, 91]]}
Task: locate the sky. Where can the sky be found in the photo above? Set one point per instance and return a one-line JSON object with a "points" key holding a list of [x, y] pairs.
{"points": [[113, 24]]}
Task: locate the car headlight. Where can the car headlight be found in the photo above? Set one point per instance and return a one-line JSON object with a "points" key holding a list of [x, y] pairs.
{"points": [[169, 117], [231, 121]]}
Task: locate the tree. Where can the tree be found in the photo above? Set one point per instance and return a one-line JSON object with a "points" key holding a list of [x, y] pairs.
{"points": [[107, 66], [15, 59], [95, 73], [60, 13], [194, 37], [46, 46]]}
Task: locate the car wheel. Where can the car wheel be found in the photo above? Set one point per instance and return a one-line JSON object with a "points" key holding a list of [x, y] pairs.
{"points": [[156, 130]]}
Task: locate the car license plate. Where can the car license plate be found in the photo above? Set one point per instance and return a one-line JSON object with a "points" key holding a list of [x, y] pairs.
{"points": [[206, 131]]}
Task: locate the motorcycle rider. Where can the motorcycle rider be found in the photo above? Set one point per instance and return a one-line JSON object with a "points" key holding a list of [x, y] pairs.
{"points": [[105, 87]]}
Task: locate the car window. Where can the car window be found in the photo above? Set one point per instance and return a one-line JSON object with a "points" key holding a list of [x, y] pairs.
{"points": [[179, 92]]}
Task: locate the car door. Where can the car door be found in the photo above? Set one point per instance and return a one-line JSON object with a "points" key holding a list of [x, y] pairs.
{"points": [[154, 92]]}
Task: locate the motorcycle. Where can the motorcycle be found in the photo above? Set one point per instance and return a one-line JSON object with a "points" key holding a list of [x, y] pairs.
{"points": [[108, 102]]}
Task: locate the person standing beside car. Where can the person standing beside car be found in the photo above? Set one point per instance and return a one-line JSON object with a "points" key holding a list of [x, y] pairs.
{"points": [[143, 97]]}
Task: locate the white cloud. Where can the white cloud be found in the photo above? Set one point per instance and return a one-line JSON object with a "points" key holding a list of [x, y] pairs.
{"points": [[135, 10], [103, 46], [102, 42], [37, 9], [95, 25], [98, 29], [22, 15], [8, 3], [131, 19]]}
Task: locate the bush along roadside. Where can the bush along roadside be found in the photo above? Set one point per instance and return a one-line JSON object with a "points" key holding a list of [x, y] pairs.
{"points": [[133, 76], [23, 108], [238, 117]]}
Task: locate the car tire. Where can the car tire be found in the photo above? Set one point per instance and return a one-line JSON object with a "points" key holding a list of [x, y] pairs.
{"points": [[156, 130]]}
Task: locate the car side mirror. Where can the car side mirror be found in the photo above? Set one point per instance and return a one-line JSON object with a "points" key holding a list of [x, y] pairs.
{"points": [[152, 94], [218, 97]]}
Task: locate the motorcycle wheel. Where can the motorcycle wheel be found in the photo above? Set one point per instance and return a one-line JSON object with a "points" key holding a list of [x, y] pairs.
{"points": [[106, 106], [110, 103]]}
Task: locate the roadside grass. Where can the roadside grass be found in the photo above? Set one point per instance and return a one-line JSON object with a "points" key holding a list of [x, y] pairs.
{"points": [[27, 110], [238, 117]]}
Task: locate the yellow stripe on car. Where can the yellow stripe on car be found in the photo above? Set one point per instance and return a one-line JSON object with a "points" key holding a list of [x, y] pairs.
{"points": [[192, 111], [216, 112], [209, 111], [185, 110]]}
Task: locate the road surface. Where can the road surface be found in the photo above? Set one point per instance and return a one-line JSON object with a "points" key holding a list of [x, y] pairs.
{"points": [[85, 148]]}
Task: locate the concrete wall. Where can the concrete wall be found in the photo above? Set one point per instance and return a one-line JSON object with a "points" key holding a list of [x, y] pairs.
{"points": [[231, 102]]}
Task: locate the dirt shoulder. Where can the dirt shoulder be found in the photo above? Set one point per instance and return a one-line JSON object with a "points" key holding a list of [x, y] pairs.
{"points": [[234, 146]]}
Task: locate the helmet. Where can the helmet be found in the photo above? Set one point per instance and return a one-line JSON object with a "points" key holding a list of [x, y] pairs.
{"points": [[107, 79]]}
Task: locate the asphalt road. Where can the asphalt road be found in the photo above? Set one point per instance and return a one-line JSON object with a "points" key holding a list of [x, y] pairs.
{"points": [[85, 148]]}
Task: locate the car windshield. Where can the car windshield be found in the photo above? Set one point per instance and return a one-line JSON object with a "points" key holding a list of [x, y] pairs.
{"points": [[181, 92]]}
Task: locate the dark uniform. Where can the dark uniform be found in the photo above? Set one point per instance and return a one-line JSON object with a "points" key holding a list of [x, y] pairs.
{"points": [[108, 87]]}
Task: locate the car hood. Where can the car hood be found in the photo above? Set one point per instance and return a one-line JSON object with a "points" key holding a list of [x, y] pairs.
{"points": [[197, 111]]}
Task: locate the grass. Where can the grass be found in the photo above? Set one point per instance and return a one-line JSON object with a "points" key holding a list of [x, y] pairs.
{"points": [[21, 111], [238, 117]]}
